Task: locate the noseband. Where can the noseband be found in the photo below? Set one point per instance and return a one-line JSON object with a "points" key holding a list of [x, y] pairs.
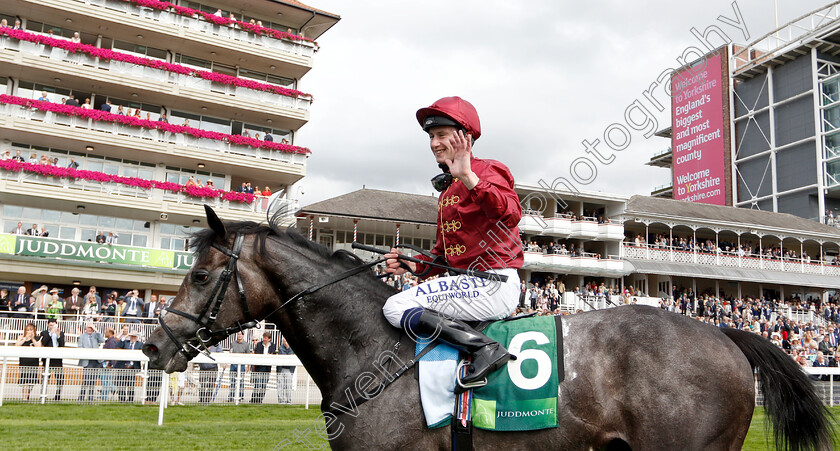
{"points": [[205, 334]]}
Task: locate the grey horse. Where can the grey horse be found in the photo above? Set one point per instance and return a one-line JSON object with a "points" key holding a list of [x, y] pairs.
{"points": [[635, 377]]}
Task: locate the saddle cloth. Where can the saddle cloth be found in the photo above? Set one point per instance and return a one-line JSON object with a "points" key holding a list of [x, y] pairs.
{"points": [[520, 396]]}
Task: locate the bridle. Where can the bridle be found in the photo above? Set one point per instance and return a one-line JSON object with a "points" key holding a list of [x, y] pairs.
{"points": [[205, 334]]}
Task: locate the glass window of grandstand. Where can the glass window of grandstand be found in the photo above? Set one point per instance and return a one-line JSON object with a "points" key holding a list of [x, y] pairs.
{"points": [[140, 50], [831, 118], [203, 64], [832, 146], [378, 239], [29, 90], [201, 178], [74, 226], [831, 91], [239, 17], [59, 32], [176, 237], [129, 108], [203, 122], [97, 163], [832, 173], [204, 8], [5, 86], [268, 78], [270, 24], [252, 131]]}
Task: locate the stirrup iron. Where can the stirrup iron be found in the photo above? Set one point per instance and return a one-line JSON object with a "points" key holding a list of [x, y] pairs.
{"points": [[464, 387]]}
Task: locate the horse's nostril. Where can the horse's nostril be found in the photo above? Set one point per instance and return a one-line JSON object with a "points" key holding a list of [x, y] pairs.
{"points": [[151, 348]]}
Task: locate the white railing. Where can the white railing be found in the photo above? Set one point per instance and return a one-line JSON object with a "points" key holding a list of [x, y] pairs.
{"points": [[804, 315], [140, 384], [178, 139], [194, 24], [733, 260], [73, 326], [239, 94], [588, 263], [778, 41]]}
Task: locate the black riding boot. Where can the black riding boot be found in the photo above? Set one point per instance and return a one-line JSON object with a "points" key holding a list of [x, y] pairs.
{"points": [[487, 355]]}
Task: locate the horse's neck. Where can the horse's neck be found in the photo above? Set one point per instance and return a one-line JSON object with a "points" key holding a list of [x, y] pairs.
{"points": [[339, 331]]}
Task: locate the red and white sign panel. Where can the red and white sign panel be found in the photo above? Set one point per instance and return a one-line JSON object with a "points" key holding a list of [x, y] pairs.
{"points": [[697, 118]]}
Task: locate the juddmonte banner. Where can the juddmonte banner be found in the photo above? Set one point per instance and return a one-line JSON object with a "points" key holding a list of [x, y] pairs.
{"points": [[32, 246]]}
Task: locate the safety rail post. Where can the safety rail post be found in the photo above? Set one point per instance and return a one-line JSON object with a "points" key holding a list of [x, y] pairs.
{"points": [[308, 379], [240, 388], [144, 375], [163, 397], [3, 380], [46, 379]]}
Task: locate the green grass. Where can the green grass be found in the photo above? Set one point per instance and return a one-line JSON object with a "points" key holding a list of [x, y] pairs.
{"points": [[117, 427], [759, 438], [109, 427]]}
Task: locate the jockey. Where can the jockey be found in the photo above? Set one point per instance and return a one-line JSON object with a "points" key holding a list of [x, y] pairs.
{"points": [[478, 229]]}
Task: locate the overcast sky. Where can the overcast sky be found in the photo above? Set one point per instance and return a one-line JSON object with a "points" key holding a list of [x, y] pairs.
{"points": [[543, 74]]}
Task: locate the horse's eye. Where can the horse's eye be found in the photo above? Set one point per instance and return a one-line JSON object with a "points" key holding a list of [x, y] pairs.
{"points": [[201, 276]]}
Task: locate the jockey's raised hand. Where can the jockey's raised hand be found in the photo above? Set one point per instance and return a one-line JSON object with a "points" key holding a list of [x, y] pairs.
{"points": [[459, 165]]}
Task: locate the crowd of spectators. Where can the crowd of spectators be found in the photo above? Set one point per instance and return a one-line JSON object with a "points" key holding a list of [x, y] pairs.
{"points": [[588, 215], [810, 343], [707, 246], [121, 384], [45, 303], [574, 250], [101, 238], [247, 188]]}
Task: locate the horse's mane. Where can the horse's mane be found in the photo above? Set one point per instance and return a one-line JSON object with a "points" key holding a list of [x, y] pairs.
{"points": [[201, 241]]}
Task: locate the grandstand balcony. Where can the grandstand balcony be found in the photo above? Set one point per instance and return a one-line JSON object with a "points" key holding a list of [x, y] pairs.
{"points": [[182, 34], [587, 228], [82, 72], [562, 226], [610, 231], [662, 158], [532, 222], [42, 128], [665, 191], [149, 204], [587, 264], [731, 260]]}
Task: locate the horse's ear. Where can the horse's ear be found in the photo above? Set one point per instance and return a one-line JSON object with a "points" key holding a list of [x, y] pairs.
{"points": [[214, 222]]}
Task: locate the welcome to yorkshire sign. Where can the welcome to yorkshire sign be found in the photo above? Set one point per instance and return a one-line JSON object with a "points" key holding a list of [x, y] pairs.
{"points": [[31, 246]]}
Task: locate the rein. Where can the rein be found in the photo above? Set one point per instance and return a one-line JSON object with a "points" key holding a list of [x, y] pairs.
{"points": [[205, 334]]}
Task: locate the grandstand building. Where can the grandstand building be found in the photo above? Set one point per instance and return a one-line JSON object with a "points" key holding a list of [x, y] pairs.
{"points": [[781, 107], [651, 244], [129, 115]]}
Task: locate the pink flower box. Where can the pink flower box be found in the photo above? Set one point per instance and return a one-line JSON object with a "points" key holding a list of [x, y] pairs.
{"points": [[59, 172], [106, 54], [189, 12], [102, 116]]}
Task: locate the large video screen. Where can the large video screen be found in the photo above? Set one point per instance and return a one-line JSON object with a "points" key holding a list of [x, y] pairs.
{"points": [[697, 128]]}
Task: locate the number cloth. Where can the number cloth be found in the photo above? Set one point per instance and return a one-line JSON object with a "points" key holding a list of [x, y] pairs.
{"points": [[522, 396], [518, 397]]}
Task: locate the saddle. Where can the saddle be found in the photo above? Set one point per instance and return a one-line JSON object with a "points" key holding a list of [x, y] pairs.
{"points": [[520, 396]]}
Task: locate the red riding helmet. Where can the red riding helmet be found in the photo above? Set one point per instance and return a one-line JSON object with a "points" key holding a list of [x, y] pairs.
{"points": [[454, 109]]}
